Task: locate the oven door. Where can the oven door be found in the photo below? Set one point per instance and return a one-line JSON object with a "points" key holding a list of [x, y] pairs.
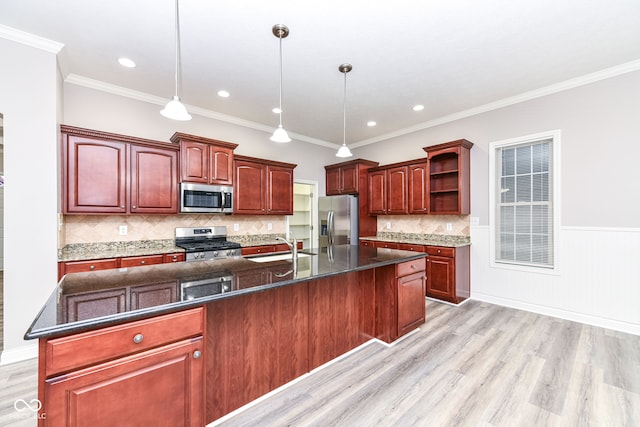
{"points": [[199, 288], [202, 198]]}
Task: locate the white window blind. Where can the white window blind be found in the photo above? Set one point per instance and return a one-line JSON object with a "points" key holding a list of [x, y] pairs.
{"points": [[524, 222]]}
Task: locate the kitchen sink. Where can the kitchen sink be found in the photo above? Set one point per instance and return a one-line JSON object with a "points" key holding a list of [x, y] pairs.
{"points": [[277, 257]]}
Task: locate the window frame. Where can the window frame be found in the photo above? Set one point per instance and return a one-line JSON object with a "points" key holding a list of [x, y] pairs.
{"points": [[555, 136]]}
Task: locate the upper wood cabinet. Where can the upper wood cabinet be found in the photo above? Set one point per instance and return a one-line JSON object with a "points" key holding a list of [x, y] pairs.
{"points": [[449, 177], [204, 160], [347, 177], [105, 173], [418, 194], [262, 187], [388, 190]]}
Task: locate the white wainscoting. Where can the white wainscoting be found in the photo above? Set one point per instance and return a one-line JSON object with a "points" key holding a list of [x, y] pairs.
{"points": [[598, 281]]}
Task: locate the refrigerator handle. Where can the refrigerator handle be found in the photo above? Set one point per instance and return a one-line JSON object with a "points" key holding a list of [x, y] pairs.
{"points": [[330, 227]]}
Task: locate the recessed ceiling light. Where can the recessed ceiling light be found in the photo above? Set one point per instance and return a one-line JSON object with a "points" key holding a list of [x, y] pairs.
{"points": [[418, 107], [126, 62], [223, 94], [371, 123], [276, 110]]}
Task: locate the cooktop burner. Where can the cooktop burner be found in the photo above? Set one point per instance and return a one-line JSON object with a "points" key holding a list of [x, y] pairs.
{"points": [[203, 243]]}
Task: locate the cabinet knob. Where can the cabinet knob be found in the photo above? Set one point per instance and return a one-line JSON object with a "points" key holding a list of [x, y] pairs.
{"points": [[121, 206], [92, 267], [197, 354], [142, 262], [138, 338], [413, 266], [133, 207]]}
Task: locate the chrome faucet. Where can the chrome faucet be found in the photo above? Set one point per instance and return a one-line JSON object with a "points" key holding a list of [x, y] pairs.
{"points": [[293, 246]]}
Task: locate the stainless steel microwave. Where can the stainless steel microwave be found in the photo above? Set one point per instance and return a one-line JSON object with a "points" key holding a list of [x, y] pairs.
{"points": [[202, 198]]}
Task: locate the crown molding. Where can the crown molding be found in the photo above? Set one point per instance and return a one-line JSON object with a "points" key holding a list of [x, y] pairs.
{"points": [[526, 96], [30, 39]]}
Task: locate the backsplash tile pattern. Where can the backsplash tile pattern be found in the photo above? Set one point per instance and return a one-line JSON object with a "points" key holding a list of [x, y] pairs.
{"points": [[104, 228], [425, 224]]}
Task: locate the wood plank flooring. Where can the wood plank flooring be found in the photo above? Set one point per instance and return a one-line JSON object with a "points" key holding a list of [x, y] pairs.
{"points": [[474, 365]]}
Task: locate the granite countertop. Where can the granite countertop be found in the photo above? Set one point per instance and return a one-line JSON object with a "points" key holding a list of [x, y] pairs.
{"points": [[101, 250], [422, 239], [57, 318]]}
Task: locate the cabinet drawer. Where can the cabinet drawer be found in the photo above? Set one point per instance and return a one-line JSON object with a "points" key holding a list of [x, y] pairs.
{"points": [[387, 245], [265, 249], [87, 348], [411, 247], [90, 265], [441, 250], [411, 267], [135, 261], [176, 257]]}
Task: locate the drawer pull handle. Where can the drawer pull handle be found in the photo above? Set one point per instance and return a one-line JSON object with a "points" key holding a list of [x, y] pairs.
{"points": [[138, 338], [413, 266], [93, 267], [141, 262], [197, 354]]}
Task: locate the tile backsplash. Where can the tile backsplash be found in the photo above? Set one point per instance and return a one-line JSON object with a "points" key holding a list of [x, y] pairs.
{"points": [[105, 228], [425, 224]]}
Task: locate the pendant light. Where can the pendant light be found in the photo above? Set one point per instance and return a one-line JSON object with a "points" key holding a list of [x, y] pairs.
{"points": [[344, 150], [175, 109], [280, 135]]}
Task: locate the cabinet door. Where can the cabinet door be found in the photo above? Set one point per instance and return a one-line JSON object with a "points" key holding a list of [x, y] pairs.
{"points": [[280, 191], [332, 181], [411, 306], [194, 161], [78, 307], [221, 165], [154, 180], [163, 386], [377, 193], [349, 179], [441, 278], [144, 296], [95, 176], [397, 190], [417, 193], [250, 185]]}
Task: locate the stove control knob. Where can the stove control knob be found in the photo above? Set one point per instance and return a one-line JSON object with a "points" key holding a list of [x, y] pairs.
{"points": [[215, 253]]}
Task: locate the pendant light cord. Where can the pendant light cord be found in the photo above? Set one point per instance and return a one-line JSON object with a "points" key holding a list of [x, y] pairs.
{"points": [[177, 73], [280, 41], [344, 112]]}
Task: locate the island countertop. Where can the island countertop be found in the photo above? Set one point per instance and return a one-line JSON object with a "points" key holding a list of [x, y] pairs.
{"points": [[112, 288]]}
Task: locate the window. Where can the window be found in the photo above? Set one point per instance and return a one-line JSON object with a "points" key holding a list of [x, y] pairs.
{"points": [[523, 199]]}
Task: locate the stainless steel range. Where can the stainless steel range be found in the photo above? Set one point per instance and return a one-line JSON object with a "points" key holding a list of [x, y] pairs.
{"points": [[205, 243]]}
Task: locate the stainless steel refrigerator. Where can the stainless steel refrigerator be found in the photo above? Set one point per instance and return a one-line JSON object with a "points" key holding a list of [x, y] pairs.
{"points": [[338, 220]]}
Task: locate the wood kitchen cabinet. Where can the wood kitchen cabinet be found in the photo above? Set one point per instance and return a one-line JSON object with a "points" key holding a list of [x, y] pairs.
{"points": [[388, 190], [106, 173], [148, 372], [262, 187], [66, 267], [346, 177], [400, 305], [448, 276], [449, 177], [418, 192], [204, 160]]}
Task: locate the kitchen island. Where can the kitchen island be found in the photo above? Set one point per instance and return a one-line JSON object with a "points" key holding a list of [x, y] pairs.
{"points": [[191, 342]]}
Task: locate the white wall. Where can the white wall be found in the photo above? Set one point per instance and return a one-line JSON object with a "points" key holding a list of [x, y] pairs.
{"points": [[599, 280], [28, 101]]}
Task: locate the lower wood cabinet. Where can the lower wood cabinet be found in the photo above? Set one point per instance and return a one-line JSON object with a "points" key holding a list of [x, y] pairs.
{"points": [[66, 267], [148, 372], [448, 276]]}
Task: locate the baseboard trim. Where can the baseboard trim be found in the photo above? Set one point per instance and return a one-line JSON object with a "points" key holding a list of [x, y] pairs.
{"points": [[18, 354], [629, 328]]}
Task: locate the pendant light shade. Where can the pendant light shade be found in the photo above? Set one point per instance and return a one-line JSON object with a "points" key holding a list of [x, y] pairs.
{"points": [[344, 150], [280, 135], [175, 109]]}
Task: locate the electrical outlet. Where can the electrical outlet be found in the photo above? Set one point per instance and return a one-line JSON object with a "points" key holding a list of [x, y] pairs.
{"points": [[475, 220], [269, 226], [123, 230], [449, 226], [236, 227], [388, 225]]}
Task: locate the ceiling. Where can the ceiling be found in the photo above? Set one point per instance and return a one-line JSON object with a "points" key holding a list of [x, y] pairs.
{"points": [[451, 56]]}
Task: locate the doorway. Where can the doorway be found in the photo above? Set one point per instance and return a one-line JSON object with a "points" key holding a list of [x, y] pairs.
{"points": [[305, 203], [1, 233]]}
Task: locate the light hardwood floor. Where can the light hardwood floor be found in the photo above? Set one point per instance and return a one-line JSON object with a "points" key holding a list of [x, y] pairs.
{"points": [[474, 365]]}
